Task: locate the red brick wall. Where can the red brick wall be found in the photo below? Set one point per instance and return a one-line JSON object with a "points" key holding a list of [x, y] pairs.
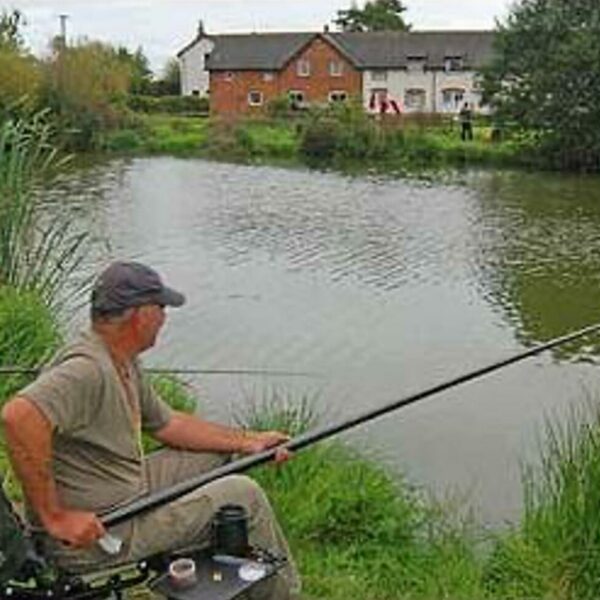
{"points": [[231, 96]]}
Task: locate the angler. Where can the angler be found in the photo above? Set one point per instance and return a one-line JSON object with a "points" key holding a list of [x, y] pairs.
{"points": [[74, 439]]}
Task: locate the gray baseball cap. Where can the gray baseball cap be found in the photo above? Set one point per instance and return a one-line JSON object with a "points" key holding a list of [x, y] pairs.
{"points": [[128, 284]]}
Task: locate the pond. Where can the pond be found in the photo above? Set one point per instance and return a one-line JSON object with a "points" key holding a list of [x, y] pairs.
{"points": [[378, 287]]}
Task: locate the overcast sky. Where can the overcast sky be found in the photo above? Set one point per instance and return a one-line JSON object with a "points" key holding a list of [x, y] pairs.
{"points": [[162, 27]]}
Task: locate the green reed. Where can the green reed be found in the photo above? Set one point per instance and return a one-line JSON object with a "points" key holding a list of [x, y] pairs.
{"points": [[38, 252], [555, 551]]}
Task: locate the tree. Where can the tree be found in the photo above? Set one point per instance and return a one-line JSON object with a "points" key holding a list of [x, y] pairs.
{"points": [[10, 30], [139, 69], [377, 15], [545, 77], [86, 87], [170, 83], [20, 78]]}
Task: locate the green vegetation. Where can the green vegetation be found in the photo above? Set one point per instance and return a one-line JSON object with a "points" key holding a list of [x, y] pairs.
{"points": [[376, 15], [341, 137], [554, 551], [36, 254], [356, 530], [545, 79]]}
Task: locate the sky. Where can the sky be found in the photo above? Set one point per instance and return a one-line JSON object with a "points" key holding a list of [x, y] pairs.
{"points": [[163, 27]]}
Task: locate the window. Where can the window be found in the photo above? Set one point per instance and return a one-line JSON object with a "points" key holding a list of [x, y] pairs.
{"points": [[453, 63], [296, 98], [452, 99], [338, 96], [414, 99], [268, 76], [303, 68], [255, 98], [336, 68], [379, 75]]}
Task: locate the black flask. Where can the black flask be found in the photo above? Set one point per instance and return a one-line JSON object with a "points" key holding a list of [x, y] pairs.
{"points": [[230, 531]]}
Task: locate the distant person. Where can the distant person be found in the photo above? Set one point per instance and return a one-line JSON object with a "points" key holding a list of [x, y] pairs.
{"points": [[465, 116]]}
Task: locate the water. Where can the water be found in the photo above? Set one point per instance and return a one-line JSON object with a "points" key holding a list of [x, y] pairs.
{"points": [[381, 287]]}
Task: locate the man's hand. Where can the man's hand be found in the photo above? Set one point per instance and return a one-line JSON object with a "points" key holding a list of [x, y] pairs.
{"points": [[259, 441], [76, 528]]}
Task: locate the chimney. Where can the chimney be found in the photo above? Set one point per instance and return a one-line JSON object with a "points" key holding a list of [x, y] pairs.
{"points": [[325, 28], [201, 31]]}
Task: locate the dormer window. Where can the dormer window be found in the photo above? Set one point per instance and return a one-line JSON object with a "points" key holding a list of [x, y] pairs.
{"points": [[303, 68], [453, 63], [379, 75]]}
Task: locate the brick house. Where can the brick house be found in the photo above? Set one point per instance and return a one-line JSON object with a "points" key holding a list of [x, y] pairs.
{"points": [[416, 71], [249, 71]]}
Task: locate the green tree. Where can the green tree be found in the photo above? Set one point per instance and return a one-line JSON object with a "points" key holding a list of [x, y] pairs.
{"points": [[170, 83], [545, 77], [86, 87], [377, 15], [139, 69], [20, 76], [10, 30]]}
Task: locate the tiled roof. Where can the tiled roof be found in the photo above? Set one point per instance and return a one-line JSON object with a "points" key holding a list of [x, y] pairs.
{"points": [[255, 51], [369, 50], [387, 49]]}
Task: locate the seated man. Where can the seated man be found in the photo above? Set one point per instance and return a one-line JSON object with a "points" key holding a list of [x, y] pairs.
{"points": [[74, 437]]}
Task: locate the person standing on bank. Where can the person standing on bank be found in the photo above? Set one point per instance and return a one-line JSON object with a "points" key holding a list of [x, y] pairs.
{"points": [[74, 438], [465, 117]]}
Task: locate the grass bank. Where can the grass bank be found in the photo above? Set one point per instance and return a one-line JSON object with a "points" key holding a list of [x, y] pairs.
{"points": [[344, 139]]}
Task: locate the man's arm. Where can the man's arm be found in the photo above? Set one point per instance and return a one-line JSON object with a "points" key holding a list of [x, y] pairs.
{"points": [[29, 437], [192, 433]]}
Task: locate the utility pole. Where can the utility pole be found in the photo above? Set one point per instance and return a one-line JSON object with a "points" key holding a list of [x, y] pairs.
{"points": [[63, 29]]}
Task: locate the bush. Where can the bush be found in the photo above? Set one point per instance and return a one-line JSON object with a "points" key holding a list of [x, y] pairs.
{"points": [[168, 104], [20, 83], [319, 139]]}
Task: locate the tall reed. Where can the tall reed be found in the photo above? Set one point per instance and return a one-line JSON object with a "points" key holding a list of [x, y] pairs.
{"points": [[555, 551], [38, 253]]}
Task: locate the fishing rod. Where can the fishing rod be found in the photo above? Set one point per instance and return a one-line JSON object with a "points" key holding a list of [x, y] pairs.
{"points": [[14, 370], [165, 496]]}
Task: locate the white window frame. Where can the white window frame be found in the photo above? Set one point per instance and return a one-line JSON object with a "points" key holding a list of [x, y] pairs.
{"points": [[411, 93], [336, 68], [251, 102], [303, 67], [293, 97], [343, 96], [457, 98], [379, 75]]}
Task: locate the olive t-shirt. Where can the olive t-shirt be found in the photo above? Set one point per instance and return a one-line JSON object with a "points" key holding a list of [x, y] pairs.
{"points": [[97, 419]]}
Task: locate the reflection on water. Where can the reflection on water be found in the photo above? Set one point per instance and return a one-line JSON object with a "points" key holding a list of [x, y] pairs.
{"points": [[380, 286]]}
